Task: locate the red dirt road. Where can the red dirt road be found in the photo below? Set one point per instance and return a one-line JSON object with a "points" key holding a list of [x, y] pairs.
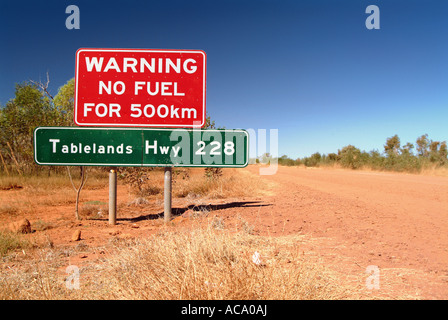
{"points": [[397, 222]]}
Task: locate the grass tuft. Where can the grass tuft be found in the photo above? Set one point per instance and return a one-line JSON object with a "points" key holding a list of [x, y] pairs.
{"points": [[10, 241]]}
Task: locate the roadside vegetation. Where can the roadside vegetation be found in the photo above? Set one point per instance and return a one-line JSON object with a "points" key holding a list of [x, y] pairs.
{"points": [[423, 156], [197, 263]]}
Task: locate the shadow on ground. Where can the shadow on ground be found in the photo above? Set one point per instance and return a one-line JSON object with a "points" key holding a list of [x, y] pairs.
{"points": [[198, 208]]}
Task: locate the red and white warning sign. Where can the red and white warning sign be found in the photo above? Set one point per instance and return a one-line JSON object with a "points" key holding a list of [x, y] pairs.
{"points": [[140, 88]]}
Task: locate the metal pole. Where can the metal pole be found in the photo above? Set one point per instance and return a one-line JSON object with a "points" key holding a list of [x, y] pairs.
{"points": [[167, 194], [112, 197]]}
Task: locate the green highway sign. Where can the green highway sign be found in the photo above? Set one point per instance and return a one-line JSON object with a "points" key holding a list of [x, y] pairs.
{"points": [[135, 147]]}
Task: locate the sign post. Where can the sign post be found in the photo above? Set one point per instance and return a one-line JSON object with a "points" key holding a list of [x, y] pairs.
{"points": [[167, 193], [112, 197]]}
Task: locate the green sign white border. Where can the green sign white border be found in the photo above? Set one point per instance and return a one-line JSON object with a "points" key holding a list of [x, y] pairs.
{"points": [[140, 164]]}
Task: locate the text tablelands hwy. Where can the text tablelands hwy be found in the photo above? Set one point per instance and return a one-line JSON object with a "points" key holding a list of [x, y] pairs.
{"points": [[140, 147]]}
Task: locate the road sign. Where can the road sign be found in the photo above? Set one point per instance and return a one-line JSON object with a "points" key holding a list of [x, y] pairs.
{"points": [[140, 147], [140, 88]]}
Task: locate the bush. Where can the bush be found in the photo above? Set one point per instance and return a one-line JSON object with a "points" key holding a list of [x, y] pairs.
{"points": [[313, 161], [285, 161], [350, 157]]}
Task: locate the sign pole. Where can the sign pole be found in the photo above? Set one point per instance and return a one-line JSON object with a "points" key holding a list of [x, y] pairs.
{"points": [[167, 194], [112, 196]]}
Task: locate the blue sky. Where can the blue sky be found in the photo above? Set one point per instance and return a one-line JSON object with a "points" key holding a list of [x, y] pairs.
{"points": [[310, 69]]}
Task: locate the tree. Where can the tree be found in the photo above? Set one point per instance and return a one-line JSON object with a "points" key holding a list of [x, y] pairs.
{"points": [[83, 179], [406, 150], [375, 159], [313, 160], [392, 146], [22, 114], [64, 102], [443, 152], [316, 158], [33, 105], [434, 151], [210, 172], [286, 161], [332, 157], [209, 123], [423, 146], [438, 152]]}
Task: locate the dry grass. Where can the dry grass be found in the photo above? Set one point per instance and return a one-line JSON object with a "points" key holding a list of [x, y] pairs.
{"points": [[28, 200], [94, 210], [27, 193], [10, 241], [41, 225], [435, 171], [427, 169], [193, 183], [37, 278], [218, 265], [9, 209], [194, 263], [96, 179]]}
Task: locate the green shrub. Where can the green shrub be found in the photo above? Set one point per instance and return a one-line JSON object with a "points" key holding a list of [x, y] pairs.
{"points": [[350, 157]]}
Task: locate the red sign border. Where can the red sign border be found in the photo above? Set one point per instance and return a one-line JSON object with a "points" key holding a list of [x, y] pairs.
{"points": [[139, 125]]}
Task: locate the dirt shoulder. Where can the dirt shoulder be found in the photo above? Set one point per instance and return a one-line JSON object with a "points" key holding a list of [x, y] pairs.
{"points": [[397, 222]]}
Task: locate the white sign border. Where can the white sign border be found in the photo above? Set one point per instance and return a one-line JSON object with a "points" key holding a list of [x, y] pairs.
{"points": [[139, 125], [141, 165]]}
